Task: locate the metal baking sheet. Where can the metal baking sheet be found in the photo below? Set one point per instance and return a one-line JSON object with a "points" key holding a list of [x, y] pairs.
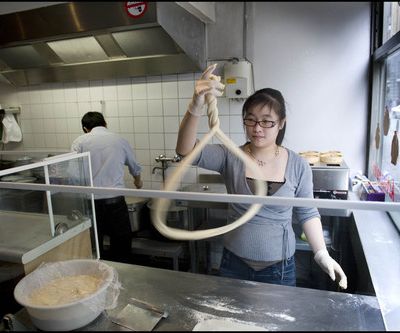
{"points": [[137, 318]]}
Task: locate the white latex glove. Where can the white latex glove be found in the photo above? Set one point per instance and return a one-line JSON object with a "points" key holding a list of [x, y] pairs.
{"points": [[208, 84], [331, 267]]}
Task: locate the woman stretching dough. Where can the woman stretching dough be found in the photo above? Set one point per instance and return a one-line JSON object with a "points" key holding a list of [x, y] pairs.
{"points": [[263, 248]]}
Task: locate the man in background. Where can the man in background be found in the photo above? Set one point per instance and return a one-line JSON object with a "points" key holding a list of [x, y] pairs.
{"points": [[109, 153]]}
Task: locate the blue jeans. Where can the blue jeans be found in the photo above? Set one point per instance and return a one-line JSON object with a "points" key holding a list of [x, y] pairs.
{"points": [[233, 267]]}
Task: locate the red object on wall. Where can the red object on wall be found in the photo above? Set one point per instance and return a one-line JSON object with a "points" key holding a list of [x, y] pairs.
{"points": [[136, 9]]}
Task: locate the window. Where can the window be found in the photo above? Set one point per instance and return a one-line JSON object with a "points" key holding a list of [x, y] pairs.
{"points": [[391, 19], [384, 161]]}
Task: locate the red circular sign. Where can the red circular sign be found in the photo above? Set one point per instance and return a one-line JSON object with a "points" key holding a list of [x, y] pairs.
{"points": [[135, 9]]}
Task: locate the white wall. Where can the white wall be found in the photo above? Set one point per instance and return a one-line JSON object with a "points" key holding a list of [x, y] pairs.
{"points": [[144, 110], [316, 54]]}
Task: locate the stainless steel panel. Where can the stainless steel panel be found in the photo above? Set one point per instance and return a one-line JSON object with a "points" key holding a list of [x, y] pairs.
{"points": [[330, 177], [210, 178], [110, 46], [3, 66], [164, 29], [334, 212], [22, 57], [150, 41], [185, 29], [124, 68], [69, 19], [77, 50], [334, 179], [136, 216], [205, 188], [47, 53]]}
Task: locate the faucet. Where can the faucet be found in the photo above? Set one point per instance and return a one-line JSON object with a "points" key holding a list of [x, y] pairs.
{"points": [[163, 168], [164, 163], [162, 158], [156, 168]]}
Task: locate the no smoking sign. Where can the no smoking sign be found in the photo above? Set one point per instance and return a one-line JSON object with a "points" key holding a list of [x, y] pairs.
{"points": [[135, 9]]}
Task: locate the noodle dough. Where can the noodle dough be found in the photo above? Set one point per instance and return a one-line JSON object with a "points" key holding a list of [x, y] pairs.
{"points": [[65, 290], [161, 205]]}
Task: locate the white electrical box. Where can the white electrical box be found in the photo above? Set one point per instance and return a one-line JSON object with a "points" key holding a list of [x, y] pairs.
{"points": [[238, 79]]}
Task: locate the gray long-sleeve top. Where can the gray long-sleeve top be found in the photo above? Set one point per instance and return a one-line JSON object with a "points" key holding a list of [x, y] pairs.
{"points": [[269, 235]]}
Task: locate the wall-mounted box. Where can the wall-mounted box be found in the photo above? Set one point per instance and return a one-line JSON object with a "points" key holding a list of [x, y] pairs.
{"points": [[238, 79]]}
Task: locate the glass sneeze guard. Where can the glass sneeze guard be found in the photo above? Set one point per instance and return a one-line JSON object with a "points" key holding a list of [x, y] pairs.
{"points": [[33, 222]]}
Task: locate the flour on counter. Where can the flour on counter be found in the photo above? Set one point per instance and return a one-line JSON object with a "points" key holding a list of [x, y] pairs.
{"points": [[281, 315], [354, 301], [253, 283], [204, 320], [380, 239], [224, 324], [199, 316], [207, 322], [224, 304], [217, 303]]}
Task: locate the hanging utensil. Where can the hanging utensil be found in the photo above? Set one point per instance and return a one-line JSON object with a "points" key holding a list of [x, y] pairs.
{"points": [[395, 148], [386, 121], [377, 136]]}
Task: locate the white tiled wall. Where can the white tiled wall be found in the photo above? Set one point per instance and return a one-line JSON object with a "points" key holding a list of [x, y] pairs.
{"points": [[144, 110]]}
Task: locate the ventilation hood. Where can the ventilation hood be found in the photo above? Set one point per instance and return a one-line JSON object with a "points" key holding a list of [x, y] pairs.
{"points": [[76, 41]]}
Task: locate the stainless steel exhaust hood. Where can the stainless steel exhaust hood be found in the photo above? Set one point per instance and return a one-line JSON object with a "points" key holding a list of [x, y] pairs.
{"points": [[76, 41]]}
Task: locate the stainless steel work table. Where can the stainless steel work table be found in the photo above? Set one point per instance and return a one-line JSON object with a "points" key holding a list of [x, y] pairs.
{"points": [[191, 298]]}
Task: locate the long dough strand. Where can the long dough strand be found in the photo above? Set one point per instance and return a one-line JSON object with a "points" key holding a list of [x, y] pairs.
{"points": [[160, 208]]}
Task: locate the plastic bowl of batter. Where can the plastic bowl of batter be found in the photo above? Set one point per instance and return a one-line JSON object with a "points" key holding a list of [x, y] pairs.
{"points": [[66, 295]]}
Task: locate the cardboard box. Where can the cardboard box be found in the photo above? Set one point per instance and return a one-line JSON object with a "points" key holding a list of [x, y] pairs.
{"points": [[372, 192]]}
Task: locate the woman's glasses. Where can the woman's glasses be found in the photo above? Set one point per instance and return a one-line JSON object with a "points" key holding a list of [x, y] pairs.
{"points": [[262, 123]]}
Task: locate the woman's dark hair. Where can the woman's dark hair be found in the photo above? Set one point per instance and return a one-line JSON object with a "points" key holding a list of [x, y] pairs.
{"points": [[92, 119], [274, 100]]}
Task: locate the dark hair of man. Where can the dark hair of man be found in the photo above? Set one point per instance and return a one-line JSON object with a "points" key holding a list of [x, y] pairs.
{"points": [[92, 119], [274, 100]]}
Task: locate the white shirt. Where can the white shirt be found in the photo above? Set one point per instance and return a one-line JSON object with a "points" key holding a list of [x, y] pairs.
{"points": [[109, 153]]}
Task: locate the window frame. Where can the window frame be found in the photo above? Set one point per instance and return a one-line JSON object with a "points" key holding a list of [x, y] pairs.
{"points": [[380, 51]]}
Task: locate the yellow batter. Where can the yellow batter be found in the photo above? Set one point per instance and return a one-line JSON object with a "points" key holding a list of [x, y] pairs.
{"points": [[65, 290]]}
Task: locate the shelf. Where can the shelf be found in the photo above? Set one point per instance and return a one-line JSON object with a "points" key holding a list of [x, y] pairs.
{"points": [[11, 109], [334, 212]]}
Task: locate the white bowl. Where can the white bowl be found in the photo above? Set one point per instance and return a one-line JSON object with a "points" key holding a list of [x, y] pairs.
{"points": [[71, 315]]}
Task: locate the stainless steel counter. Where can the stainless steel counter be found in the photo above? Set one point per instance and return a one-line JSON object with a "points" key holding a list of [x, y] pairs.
{"points": [[26, 236], [380, 241], [192, 298], [206, 188]]}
